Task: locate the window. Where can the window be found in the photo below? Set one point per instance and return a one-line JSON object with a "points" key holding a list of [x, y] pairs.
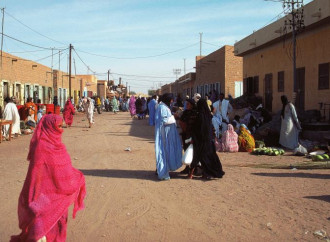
{"points": [[249, 84], [280, 81], [206, 90], [252, 84], [324, 76]]}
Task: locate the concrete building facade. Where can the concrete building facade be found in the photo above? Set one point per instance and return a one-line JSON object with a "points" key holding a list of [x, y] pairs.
{"points": [[268, 65]]}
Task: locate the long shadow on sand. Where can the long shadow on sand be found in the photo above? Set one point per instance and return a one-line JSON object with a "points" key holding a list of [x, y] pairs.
{"points": [[129, 174], [325, 198], [299, 175], [113, 173]]}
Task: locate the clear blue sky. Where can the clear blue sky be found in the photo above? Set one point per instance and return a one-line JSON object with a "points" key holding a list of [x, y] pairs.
{"points": [[141, 41]]}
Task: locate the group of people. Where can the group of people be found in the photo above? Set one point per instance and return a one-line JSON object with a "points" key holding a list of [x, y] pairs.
{"points": [[207, 126], [196, 124], [140, 106], [52, 184]]}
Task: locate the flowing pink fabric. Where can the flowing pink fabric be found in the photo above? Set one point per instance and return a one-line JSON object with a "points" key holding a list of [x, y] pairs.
{"points": [[50, 187], [229, 140], [68, 112], [132, 107]]}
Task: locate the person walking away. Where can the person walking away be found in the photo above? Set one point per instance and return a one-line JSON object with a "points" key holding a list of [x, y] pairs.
{"points": [[221, 108], [168, 147], [179, 102], [144, 107], [98, 105], [204, 147], [132, 107], [290, 126], [10, 112], [246, 141], [89, 110], [114, 104], [152, 110], [138, 105], [68, 113], [107, 105], [52, 184]]}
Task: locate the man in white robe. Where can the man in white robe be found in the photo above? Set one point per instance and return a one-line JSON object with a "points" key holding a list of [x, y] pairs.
{"points": [[221, 108], [11, 113]]}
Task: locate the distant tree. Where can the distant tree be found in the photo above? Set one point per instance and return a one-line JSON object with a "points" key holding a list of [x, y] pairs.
{"points": [[132, 93]]}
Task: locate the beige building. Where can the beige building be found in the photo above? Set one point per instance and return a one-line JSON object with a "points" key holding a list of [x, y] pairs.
{"points": [[25, 78], [221, 71], [268, 65]]}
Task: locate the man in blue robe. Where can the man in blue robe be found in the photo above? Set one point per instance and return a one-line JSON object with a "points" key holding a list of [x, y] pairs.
{"points": [[167, 140], [152, 110]]}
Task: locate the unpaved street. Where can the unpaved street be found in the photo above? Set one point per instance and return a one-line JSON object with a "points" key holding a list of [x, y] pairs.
{"points": [[126, 202]]}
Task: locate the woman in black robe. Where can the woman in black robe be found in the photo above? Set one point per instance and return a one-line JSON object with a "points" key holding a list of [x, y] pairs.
{"points": [[204, 147], [138, 105]]}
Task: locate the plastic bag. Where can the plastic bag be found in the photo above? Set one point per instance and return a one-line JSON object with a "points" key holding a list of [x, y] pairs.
{"points": [[188, 155], [300, 150]]}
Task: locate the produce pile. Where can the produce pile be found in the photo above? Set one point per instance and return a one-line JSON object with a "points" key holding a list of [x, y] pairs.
{"points": [[323, 157], [268, 151]]}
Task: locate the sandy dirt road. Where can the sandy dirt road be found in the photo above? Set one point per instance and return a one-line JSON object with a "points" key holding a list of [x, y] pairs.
{"points": [[126, 202]]}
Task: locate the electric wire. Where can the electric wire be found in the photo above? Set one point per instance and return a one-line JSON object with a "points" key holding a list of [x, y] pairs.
{"points": [[21, 41], [139, 57], [33, 29], [88, 68]]}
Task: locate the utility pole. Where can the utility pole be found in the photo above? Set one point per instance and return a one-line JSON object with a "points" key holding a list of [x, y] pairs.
{"points": [[296, 23], [108, 79], [70, 50], [129, 90], [2, 26], [126, 88], [184, 66], [59, 60]]}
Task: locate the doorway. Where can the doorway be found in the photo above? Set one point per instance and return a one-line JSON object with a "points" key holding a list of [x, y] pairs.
{"points": [[269, 92], [299, 89]]}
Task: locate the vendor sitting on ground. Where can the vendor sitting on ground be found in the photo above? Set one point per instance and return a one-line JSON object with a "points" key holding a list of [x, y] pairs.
{"points": [[229, 140], [245, 139], [30, 119]]}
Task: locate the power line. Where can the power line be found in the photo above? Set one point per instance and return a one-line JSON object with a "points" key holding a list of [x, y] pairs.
{"points": [[28, 51], [46, 57], [21, 41], [139, 57], [82, 61], [33, 29], [120, 74]]}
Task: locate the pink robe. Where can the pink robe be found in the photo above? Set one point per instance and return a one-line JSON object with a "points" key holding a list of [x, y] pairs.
{"points": [[52, 184], [68, 113]]}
